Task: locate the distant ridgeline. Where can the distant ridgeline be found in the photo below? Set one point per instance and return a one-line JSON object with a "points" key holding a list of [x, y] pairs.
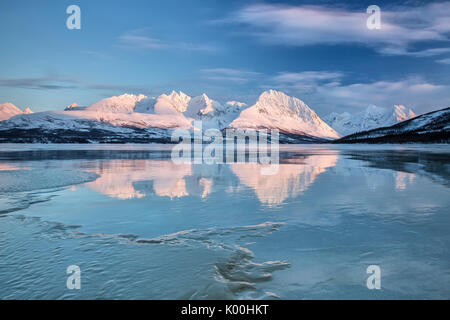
{"points": [[140, 119], [433, 127]]}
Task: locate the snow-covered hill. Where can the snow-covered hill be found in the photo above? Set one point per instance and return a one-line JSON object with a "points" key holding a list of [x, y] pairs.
{"points": [[373, 117], [276, 110], [8, 110], [431, 127]]}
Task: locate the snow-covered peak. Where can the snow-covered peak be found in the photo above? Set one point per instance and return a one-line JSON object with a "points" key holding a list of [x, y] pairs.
{"points": [[210, 112], [334, 116], [401, 113], [430, 127], [276, 110], [236, 104], [278, 103], [8, 110], [180, 96], [180, 100], [201, 106], [235, 107], [117, 104], [27, 111], [174, 102], [374, 112], [372, 117]]}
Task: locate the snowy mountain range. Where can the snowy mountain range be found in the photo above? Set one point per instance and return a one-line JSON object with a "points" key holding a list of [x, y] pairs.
{"points": [[138, 118], [373, 117], [116, 115], [8, 110], [430, 127]]}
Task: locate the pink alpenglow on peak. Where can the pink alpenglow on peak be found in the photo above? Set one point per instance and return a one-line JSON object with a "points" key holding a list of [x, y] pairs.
{"points": [[117, 104], [176, 102], [276, 110], [8, 110], [201, 106], [236, 103], [401, 113], [273, 110]]}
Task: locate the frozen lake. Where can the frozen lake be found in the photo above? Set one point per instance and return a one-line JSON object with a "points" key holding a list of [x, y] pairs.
{"points": [[141, 227]]}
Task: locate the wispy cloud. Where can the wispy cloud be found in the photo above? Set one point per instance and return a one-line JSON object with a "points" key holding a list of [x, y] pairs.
{"points": [[305, 82], [327, 93], [121, 88], [401, 29], [230, 75], [444, 61], [57, 81], [307, 76], [414, 92], [50, 82], [140, 40], [425, 53]]}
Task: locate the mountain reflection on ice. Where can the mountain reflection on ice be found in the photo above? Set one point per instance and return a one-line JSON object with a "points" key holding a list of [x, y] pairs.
{"points": [[142, 227], [291, 180], [119, 178]]}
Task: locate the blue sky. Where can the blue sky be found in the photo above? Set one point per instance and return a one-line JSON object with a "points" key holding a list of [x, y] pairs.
{"points": [[318, 51]]}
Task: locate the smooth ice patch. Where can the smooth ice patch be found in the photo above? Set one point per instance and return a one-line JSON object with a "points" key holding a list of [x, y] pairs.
{"points": [[29, 180]]}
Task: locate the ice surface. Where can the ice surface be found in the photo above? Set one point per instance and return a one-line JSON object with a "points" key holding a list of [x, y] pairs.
{"points": [[141, 227], [13, 181]]}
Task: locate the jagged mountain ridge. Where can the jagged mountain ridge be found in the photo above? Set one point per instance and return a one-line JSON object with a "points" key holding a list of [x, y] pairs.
{"points": [[135, 114], [178, 110], [433, 127], [9, 110], [371, 118]]}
